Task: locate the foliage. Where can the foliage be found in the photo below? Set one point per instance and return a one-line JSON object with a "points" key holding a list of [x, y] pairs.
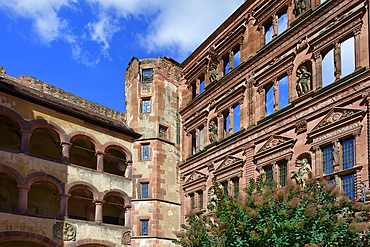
{"points": [[318, 215]]}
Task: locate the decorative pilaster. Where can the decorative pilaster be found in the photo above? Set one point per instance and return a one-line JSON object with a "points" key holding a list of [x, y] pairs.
{"points": [[23, 199], [291, 85], [220, 68], [220, 125], [26, 137], [262, 103], [275, 170], [276, 95], [275, 30], [129, 170], [197, 140], [231, 60], [317, 165], [231, 120], [128, 216], [356, 34], [317, 71], [197, 84], [242, 114]]}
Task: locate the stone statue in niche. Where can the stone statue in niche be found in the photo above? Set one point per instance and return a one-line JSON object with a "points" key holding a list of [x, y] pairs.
{"points": [[213, 72], [304, 81], [302, 175], [213, 130], [212, 200], [301, 6], [64, 231]]}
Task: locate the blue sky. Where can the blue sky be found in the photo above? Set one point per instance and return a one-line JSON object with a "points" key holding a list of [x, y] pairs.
{"points": [[84, 46]]}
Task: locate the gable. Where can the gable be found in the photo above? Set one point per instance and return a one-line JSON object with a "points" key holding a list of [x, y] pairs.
{"points": [[273, 141], [229, 159]]}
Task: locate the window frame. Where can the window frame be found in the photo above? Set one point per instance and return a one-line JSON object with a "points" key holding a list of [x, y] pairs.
{"points": [[145, 99], [142, 151], [142, 228]]}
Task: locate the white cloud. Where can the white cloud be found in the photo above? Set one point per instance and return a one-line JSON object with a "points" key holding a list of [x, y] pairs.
{"points": [[173, 26]]}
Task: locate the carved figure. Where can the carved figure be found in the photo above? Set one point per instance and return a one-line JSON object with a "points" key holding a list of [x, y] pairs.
{"points": [[126, 238], [212, 200], [304, 81], [64, 231], [213, 130], [213, 72], [301, 6], [302, 175]]}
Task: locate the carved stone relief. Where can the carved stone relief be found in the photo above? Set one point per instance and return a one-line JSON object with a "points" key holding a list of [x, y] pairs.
{"points": [[126, 238], [213, 74], [335, 117], [301, 126], [304, 81], [64, 231]]}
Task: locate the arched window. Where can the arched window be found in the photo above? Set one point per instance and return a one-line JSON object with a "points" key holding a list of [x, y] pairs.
{"points": [[82, 153], [115, 162], [46, 143], [8, 193], [81, 206], [114, 210], [10, 134], [43, 199]]}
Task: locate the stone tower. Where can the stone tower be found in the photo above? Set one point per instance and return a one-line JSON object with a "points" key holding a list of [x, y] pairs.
{"points": [[152, 104]]}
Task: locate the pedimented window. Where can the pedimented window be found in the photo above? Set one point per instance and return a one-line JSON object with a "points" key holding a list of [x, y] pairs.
{"points": [[194, 188]]}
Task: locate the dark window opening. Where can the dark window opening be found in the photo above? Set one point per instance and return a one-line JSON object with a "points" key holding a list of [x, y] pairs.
{"points": [[46, 143], [115, 162], [147, 75], [10, 134], [82, 153]]}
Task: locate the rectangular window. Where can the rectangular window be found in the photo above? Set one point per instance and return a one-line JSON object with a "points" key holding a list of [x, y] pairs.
{"points": [[347, 154], [144, 191], [327, 160], [200, 200], [236, 126], [147, 75], [348, 185], [347, 50], [282, 22], [192, 201], [268, 173], [236, 58], [227, 123], [144, 227], [283, 92], [163, 132], [202, 85], [146, 105], [201, 139], [145, 152], [268, 33], [282, 173], [225, 187], [328, 68], [270, 101], [236, 187]]}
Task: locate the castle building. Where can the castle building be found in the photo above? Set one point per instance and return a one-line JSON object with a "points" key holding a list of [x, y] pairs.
{"points": [[280, 89]]}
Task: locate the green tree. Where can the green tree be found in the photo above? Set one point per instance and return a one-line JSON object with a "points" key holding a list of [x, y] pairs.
{"points": [[318, 215]]}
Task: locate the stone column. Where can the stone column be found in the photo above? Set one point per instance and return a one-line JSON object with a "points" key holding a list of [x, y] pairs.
{"points": [[229, 188], [190, 143], [262, 103], [337, 61], [220, 126], [231, 60], [231, 120], [291, 85], [26, 137], [197, 140], [241, 49], [63, 208], [100, 161], [336, 155], [128, 216], [206, 133], [197, 83], [290, 16], [317, 165], [206, 74], [262, 30], [65, 152], [23, 199], [275, 30], [220, 68], [356, 34], [99, 211], [276, 95], [317, 71]]}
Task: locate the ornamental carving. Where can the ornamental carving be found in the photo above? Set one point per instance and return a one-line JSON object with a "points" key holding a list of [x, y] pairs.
{"points": [[64, 231], [335, 117], [301, 6], [212, 200], [213, 132], [304, 81], [195, 175], [213, 74], [272, 143], [302, 175], [126, 238], [301, 126]]}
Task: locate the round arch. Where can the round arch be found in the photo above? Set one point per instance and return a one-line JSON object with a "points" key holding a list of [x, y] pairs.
{"points": [[42, 123], [11, 172], [92, 242], [83, 185], [9, 236], [14, 116], [44, 177], [86, 136], [119, 147], [119, 193]]}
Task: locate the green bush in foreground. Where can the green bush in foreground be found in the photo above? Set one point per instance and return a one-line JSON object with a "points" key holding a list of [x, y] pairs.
{"points": [[319, 215]]}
